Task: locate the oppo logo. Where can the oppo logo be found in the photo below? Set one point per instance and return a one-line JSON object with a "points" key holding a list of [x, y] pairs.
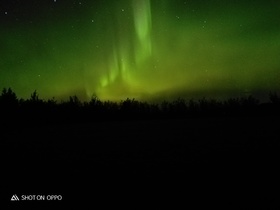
{"points": [[36, 198]]}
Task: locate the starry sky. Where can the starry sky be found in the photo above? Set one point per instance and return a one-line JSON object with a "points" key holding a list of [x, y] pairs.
{"points": [[143, 49]]}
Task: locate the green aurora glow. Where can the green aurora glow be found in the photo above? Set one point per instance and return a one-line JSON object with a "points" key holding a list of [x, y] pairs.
{"points": [[143, 49]]}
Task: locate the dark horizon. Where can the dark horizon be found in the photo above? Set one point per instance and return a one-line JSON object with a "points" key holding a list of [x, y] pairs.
{"points": [[169, 96], [36, 110]]}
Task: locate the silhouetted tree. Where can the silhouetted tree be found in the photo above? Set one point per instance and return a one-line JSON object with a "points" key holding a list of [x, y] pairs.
{"points": [[52, 102], [179, 107], [34, 101], [274, 98], [193, 107], [8, 106], [165, 107], [8, 99], [75, 101], [34, 96], [250, 101]]}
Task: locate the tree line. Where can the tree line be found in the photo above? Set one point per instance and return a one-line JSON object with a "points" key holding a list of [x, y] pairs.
{"points": [[74, 110]]}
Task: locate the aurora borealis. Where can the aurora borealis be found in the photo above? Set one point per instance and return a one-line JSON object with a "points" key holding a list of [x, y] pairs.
{"points": [[142, 49]]}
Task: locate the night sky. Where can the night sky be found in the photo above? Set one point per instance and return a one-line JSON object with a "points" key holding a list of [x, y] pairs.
{"points": [[143, 49]]}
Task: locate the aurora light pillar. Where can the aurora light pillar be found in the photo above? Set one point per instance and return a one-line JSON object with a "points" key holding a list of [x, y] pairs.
{"points": [[131, 47]]}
